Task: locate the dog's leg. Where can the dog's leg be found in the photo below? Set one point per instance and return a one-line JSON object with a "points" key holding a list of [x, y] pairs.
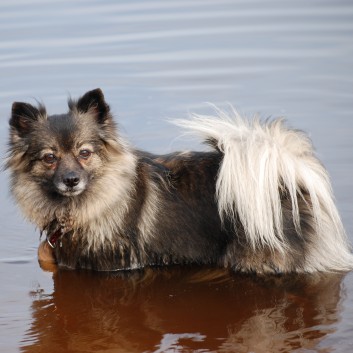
{"points": [[46, 257]]}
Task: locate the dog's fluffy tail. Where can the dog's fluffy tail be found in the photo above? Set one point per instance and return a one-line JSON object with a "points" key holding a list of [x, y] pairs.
{"points": [[262, 161]]}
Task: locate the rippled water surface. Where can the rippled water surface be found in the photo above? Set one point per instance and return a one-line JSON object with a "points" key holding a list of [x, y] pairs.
{"points": [[163, 59]]}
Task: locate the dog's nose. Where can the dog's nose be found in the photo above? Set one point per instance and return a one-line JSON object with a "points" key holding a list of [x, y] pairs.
{"points": [[71, 179]]}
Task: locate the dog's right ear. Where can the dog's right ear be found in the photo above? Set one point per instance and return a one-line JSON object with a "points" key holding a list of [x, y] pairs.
{"points": [[23, 116]]}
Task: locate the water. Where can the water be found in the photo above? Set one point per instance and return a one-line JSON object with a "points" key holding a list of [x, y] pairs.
{"points": [[163, 59]]}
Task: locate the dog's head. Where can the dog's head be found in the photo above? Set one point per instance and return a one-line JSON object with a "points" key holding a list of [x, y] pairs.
{"points": [[62, 153]]}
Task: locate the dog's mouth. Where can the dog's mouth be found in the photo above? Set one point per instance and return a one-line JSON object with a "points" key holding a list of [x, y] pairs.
{"points": [[70, 191]]}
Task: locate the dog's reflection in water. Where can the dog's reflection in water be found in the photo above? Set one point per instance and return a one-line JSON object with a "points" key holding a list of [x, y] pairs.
{"points": [[183, 309]]}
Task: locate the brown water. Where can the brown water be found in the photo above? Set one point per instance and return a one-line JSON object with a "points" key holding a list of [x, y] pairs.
{"points": [[156, 60], [179, 309]]}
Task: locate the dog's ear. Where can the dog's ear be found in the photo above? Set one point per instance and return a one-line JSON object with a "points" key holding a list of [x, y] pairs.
{"points": [[24, 115], [94, 103]]}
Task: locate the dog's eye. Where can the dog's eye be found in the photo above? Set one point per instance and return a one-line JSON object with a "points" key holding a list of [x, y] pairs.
{"points": [[49, 158], [85, 154]]}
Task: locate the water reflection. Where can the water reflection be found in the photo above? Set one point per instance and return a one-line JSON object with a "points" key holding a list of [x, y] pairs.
{"points": [[180, 310]]}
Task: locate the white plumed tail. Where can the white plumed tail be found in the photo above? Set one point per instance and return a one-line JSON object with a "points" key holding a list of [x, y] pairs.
{"points": [[261, 159]]}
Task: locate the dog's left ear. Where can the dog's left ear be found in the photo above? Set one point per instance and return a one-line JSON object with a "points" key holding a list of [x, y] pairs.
{"points": [[94, 103]]}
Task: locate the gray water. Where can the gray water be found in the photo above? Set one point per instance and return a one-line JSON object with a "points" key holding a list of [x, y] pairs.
{"points": [[157, 60]]}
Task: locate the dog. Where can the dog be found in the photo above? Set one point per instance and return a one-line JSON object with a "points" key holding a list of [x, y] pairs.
{"points": [[259, 201]]}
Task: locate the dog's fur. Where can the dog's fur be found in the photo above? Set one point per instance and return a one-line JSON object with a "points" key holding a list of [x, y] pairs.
{"points": [[260, 201]]}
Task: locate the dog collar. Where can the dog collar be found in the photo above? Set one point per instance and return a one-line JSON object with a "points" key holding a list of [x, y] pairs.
{"points": [[53, 238]]}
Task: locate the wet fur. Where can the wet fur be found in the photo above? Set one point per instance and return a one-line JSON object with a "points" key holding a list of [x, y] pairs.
{"points": [[260, 201]]}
